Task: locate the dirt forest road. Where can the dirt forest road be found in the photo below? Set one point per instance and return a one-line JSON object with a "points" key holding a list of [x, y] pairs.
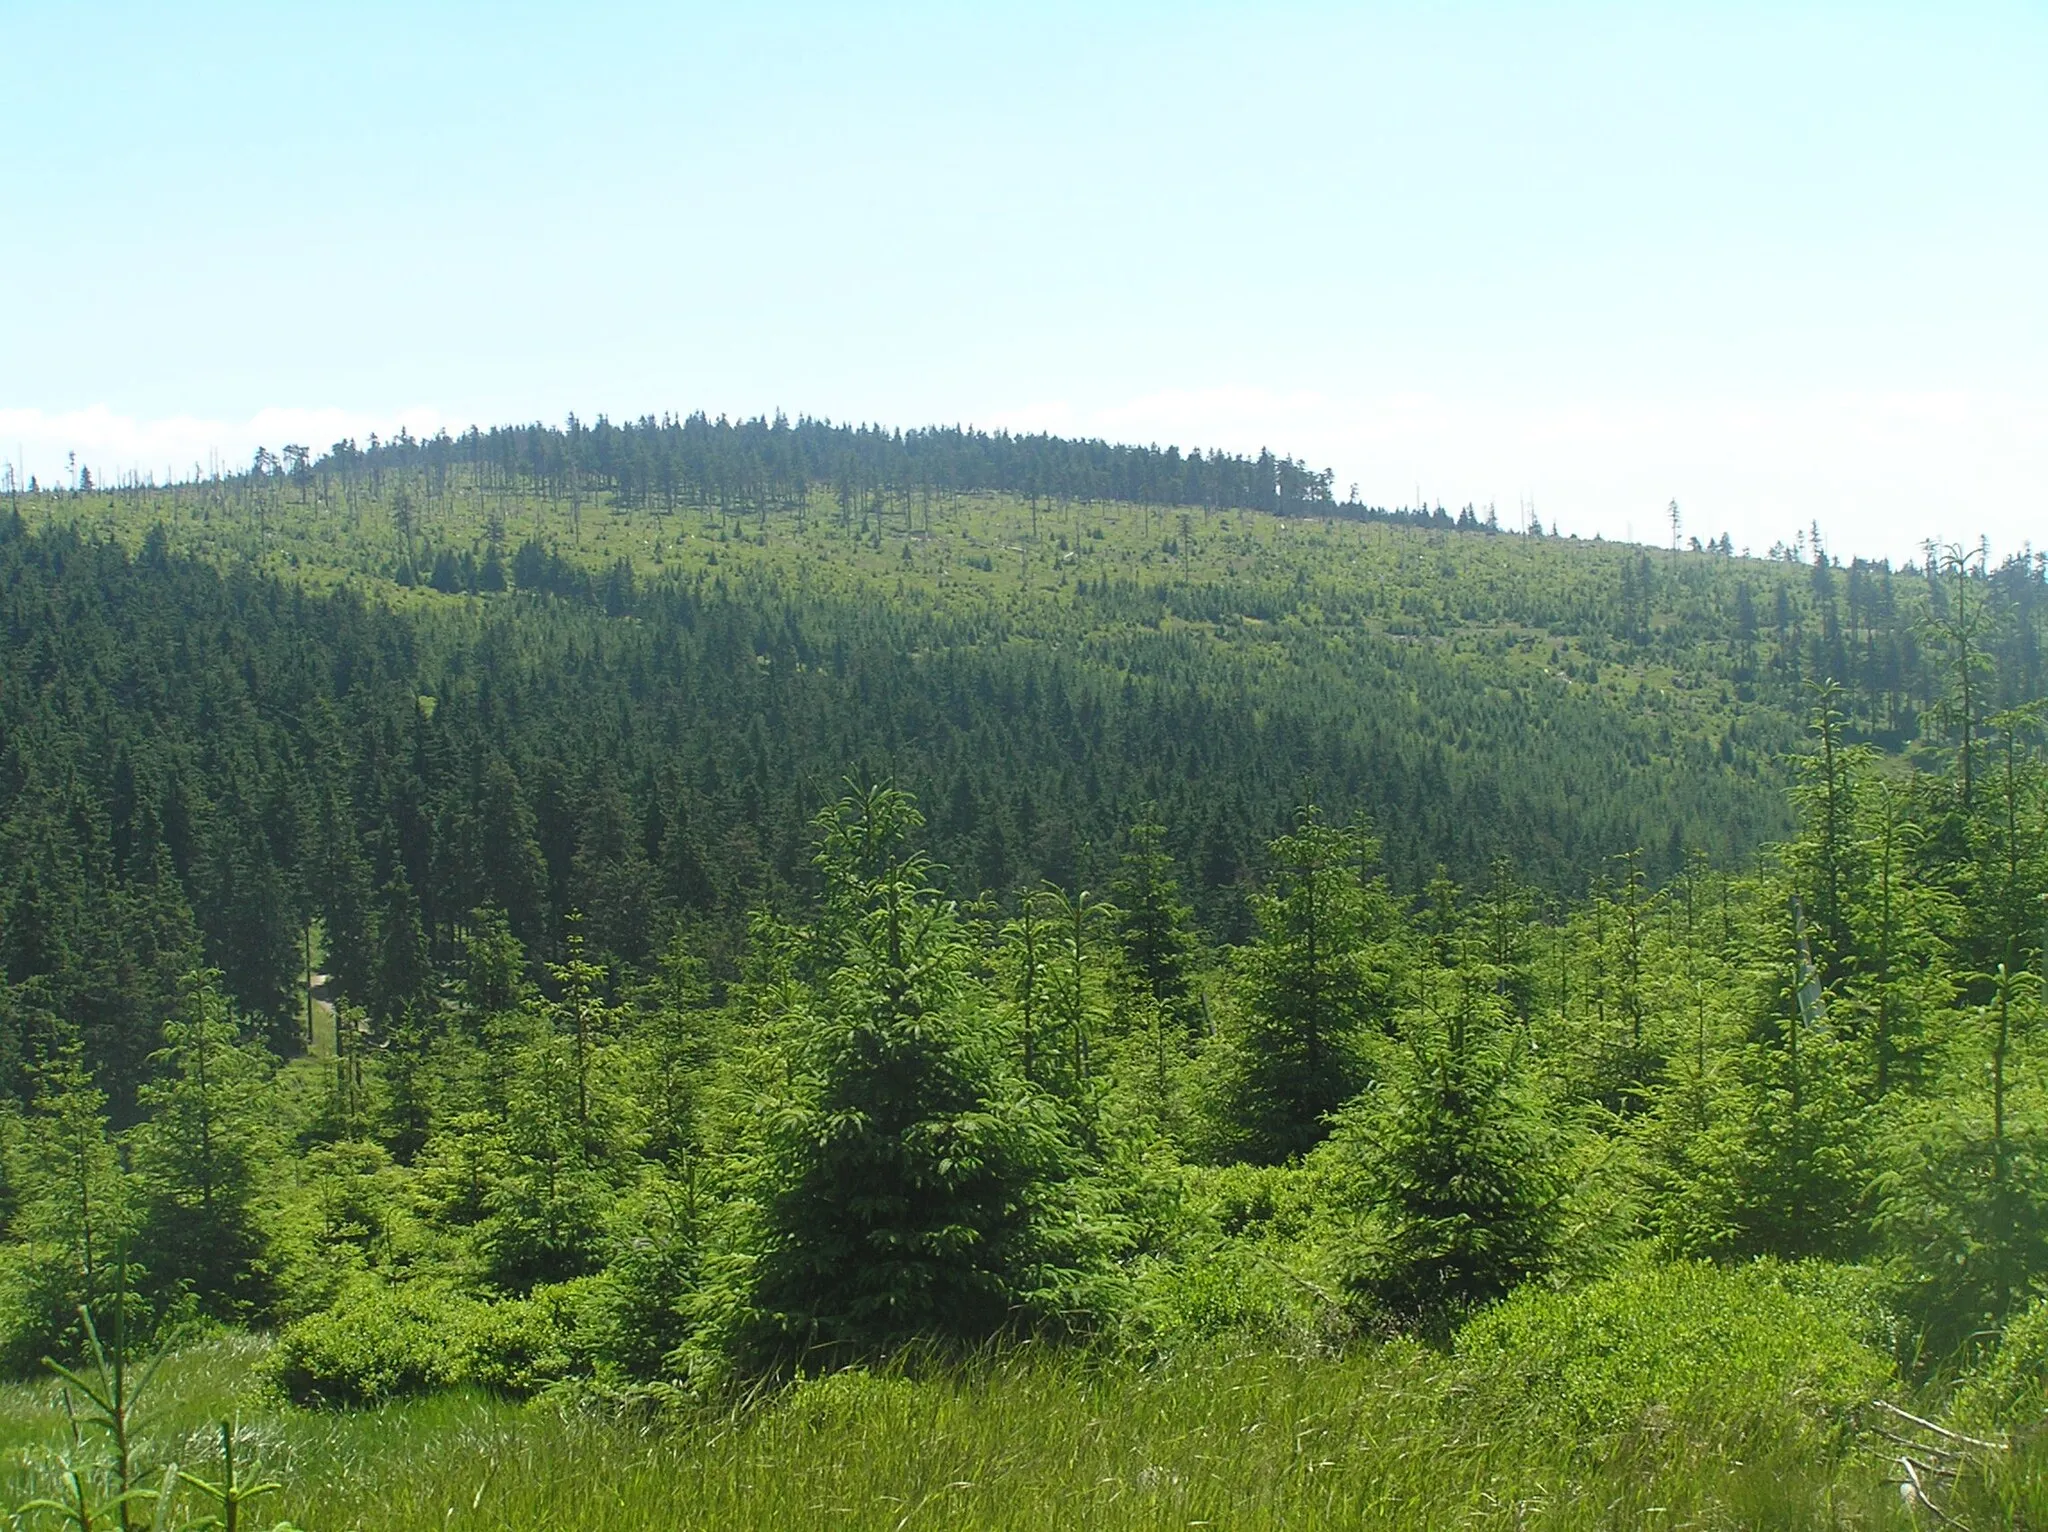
{"points": [[320, 1017]]}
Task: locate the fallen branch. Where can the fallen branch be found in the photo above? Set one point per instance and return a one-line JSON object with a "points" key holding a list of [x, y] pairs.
{"points": [[1947, 1454], [1941, 1431], [1930, 1468]]}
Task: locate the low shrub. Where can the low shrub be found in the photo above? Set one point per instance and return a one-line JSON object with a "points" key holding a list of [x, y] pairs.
{"points": [[1864, 1296], [377, 1342], [1277, 1203], [1234, 1289], [389, 1341], [851, 1399], [1707, 1345], [519, 1346], [1247, 1263], [2011, 1388]]}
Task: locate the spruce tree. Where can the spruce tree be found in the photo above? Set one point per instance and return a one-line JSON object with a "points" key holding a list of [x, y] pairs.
{"points": [[907, 1180], [69, 1216], [1318, 977], [544, 1193], [1459, 1166], [198, 1158], [1786, 1162], [1076, 988], [1154, 924], [1827, 860], [403, 981], [568, 1139], [1903, 926], [1963, 1207], [493, 968]]}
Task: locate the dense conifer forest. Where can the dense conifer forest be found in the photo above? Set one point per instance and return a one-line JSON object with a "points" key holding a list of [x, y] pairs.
{"points": [[797, 933]]}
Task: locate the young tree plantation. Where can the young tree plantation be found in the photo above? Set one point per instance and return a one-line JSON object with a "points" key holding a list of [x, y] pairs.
{"points": [[772, 974]]}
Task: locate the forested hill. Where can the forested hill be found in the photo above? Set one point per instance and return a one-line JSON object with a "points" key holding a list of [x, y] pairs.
{"points": [[239, 716], [695, 461]]}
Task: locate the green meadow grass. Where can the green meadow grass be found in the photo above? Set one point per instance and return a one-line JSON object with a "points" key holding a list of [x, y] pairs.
{"points": [[1389, 1436]]}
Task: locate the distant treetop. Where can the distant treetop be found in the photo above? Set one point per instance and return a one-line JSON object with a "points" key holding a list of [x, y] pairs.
{"points": [[697, 460]]}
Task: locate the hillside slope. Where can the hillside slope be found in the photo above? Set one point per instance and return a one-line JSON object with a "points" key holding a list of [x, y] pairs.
{"points": [[384, 694]]}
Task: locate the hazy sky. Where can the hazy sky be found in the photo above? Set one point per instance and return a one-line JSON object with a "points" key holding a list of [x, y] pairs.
{"points": [[1782, 263]]}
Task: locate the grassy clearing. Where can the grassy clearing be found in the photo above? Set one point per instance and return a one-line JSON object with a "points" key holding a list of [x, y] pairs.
{"points": [[1389, 1436]]}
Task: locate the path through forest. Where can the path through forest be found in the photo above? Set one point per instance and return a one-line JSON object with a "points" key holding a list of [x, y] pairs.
{"points": [[320, 1017]]}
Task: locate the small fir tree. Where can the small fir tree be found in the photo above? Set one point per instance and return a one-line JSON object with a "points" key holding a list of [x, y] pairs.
{"points": [[909, 1183], [1314, 983], [1459, 1166], [69, 1215], [1154, 924], [199, 1155]]}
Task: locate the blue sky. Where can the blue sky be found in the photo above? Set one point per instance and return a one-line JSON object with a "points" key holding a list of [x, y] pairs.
{"points": [[1781, 263]]}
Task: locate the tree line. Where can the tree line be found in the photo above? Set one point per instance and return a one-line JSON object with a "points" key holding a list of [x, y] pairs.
{"points": [[762, 464]]}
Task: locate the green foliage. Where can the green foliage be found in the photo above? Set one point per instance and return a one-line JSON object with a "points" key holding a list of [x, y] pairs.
{"points": [[1314, 982], [1383, 1438], [1458, 1168], [634, 1315], [1694, 1341], [1232, 1290], [493, 972], [909, 1184], [101, 1397], [1964, 1199], [1902, 929], [544, 1201], [517, 1346], [383, 1341], [621, 1082], [348, 1212], [1154, 925], [1786, 1165], [378, 1342], [533, 1137], [199, 1159], [232, 1494], [1248, 1262], [232, 726], [2011, 1389], [70, 1215]]}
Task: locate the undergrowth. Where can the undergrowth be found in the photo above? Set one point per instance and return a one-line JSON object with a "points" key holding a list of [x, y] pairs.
{"points": [[1390, 1435]]}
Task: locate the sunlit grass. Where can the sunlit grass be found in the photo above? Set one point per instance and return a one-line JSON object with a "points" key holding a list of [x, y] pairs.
{"points": [[1389, 1437]]}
